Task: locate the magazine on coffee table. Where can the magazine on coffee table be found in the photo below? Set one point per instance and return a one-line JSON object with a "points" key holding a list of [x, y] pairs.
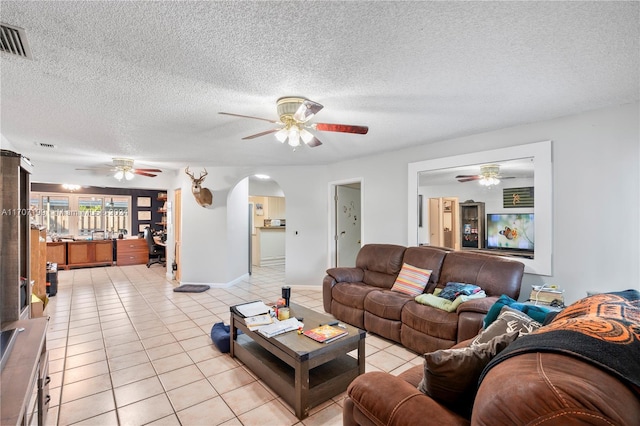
{"points": [[326, 333], [279, 327]]}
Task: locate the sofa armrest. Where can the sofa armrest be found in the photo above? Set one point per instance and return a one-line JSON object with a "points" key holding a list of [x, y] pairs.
{"points": [[389, 400], [350, 275], [480, 306], [471, 315]]}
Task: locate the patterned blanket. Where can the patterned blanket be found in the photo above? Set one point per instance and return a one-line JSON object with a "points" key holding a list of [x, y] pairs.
{"points": [[603, 329]]}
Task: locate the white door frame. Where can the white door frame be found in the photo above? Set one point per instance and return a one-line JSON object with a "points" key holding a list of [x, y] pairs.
{"points": [[331, 202]]}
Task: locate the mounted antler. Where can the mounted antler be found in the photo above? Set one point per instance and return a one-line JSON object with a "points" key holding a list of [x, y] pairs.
{"points": [[202, 195]]}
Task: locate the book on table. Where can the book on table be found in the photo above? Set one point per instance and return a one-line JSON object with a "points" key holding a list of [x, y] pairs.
{"points": [[326, 333], [257, 321], [279, 327], [252, 309]]}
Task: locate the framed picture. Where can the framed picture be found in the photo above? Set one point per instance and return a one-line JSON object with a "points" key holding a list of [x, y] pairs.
{"points": [[259, 209], [144, 215], [142, 226], [144, 201]]}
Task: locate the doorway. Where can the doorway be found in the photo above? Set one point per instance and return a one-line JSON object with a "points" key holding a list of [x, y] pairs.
{"points": [[347, 226], [267, 223], [443, 222]]}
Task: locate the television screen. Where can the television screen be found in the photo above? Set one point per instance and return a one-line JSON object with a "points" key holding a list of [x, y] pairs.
{"points": [[510, 231]]}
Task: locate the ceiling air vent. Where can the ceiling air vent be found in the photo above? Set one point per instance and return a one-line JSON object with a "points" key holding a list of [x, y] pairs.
{"points": [[13, 40]]}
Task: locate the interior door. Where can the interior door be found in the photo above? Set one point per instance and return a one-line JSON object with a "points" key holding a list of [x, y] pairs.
{"points": [[435, 224], [348, 224], [177, 231]]}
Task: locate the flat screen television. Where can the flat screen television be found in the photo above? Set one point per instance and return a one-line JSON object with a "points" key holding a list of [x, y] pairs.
{"points": [[510, 231]]}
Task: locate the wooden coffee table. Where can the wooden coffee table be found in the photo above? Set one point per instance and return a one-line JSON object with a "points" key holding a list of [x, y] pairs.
{"points": [[302, 371]]}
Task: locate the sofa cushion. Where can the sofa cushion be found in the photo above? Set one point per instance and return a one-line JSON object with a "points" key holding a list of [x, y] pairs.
{"points": [[495, 275], [451, 375], [351, 294], [380, 263], [426, 257], [509, 321], [430, 321], [411, 280], [386, 304]]}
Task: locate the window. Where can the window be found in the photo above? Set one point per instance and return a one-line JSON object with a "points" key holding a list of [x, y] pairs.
{"points": [[80, 215]]}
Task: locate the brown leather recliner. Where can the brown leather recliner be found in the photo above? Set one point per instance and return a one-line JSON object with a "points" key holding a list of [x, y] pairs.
{"points": [[535, 388]]}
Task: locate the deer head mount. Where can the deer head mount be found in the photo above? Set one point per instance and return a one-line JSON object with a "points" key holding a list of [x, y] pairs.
{"points": [[202, 195]]}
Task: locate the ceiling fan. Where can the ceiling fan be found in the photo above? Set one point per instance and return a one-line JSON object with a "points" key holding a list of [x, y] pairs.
{"points": [[295, 113], [122, 168], [489, 175]]}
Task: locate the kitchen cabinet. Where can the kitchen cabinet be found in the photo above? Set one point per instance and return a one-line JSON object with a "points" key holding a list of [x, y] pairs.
{"points": [[89, 253], [132, 251], [276, 208]]}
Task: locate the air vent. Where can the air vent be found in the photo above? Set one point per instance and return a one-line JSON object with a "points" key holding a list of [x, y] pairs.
{"points": [[13, 40], [45, 145]]}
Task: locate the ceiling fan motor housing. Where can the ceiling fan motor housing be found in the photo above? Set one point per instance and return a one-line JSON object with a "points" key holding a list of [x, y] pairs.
{"points": [[288, 106]]}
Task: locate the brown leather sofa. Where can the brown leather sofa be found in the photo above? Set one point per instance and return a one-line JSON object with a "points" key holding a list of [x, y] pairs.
{"points": [[533, 384], [361, 295]]}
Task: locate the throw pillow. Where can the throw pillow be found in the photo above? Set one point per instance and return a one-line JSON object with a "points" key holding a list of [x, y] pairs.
{"points": [[538, 313], [453, 290], [509, 320], [411, 280], [451, 375]]}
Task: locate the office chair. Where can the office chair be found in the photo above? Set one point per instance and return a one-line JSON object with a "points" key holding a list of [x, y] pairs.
{"points": [[156, 252]]}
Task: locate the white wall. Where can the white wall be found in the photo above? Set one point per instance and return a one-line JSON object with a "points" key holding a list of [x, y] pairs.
{"points": [[595, 194]]}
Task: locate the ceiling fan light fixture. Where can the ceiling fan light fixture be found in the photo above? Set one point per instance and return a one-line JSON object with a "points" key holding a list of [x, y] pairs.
{"points": [[282, 135], [119, 174], [294, 136], [489, 181], [128, 175]]}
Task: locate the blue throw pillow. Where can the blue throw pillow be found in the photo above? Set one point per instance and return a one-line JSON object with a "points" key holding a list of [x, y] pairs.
{"points": [[538, 313]]}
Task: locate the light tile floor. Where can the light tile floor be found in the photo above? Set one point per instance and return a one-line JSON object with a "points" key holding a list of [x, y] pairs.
{"points": [[127, 350]]}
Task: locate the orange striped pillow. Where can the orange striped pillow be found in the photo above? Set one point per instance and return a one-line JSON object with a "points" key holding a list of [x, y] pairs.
{"points": [[411, 280]]}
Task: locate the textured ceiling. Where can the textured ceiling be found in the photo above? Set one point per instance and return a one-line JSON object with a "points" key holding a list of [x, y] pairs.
{"points": [[147, 79]]}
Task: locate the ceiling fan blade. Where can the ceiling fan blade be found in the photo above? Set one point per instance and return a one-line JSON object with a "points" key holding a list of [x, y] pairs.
{"points": [[343, 128], [107, 169], [138, 172], [149, 170], [469, 179], [314, 142], [257, 135], [306, 110], [248, 116]]}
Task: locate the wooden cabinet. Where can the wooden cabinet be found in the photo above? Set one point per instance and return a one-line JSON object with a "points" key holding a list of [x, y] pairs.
{"points": [[472, 225], [57, 253], [132, 252], [39, 262], [15, 239], [276, 208], [89, 253]]}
